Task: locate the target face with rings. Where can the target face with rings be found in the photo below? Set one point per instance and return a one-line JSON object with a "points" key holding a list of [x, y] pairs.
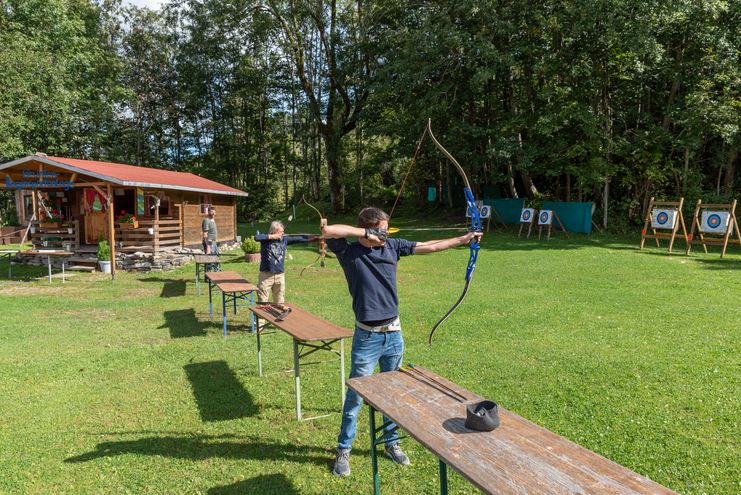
{"points": [[715, 222], [545, 218], [663, 218], [527, 215]]}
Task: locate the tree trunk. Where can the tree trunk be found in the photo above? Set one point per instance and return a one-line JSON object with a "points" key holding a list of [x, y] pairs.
{"points": [[605, 201]]}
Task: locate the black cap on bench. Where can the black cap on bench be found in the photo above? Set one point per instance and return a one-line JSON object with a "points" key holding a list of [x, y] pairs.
{"points": [[482, 416]]}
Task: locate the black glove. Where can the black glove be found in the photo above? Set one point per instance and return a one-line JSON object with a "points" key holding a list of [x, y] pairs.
{"points": [[380, 233]]}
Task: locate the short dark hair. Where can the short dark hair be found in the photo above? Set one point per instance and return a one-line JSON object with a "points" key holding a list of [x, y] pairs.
{"points": [[371, 217]]}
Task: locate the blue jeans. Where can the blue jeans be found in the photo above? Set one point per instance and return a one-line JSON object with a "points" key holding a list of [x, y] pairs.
{"points": [[369, 348], [212, 267]]}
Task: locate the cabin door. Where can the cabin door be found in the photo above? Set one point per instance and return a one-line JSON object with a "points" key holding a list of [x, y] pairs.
{"points": [[96, 225]]}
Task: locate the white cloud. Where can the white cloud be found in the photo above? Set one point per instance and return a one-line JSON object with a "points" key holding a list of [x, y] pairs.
{"points": [[151, 4]]}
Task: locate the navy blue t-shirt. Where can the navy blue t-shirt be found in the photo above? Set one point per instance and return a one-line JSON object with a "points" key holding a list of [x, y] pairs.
{"points": [[371, 276], [273, 251]]}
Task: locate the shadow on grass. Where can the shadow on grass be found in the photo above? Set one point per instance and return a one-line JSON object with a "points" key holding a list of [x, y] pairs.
{"points": [[719, 264], [208, 447], [171, 287], [266, 483], [183, 323], [219, 394]]}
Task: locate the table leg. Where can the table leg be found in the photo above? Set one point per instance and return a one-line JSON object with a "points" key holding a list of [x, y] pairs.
{"points": [[342, 371], [443, 478], [297, 377], [252, 315], [198, 278], [223, 309], [63, 263], [259, 350], [48, 264], [374, 456], [210, 302]]}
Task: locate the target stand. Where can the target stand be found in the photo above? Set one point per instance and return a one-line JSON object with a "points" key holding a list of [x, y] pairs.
{"points": [[664, 215], [715, 223], [527, 217], [546, 218], [487, 212]]}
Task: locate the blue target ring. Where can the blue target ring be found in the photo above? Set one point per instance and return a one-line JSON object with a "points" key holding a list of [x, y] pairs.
{"points": [[526, 215], [544, 217], [662, 218], [714, 220]]}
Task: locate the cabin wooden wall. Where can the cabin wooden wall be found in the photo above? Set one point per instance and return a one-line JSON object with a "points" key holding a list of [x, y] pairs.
{"points": [[225, 220]]}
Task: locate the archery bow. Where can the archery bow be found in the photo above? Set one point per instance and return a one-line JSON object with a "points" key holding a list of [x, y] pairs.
{"points": [[475, 227], [322, 245]]}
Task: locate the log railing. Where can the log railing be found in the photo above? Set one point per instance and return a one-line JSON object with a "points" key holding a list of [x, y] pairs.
{"points": [[151, 235]]}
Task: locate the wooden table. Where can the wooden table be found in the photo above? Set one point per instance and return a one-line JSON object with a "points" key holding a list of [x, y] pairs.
{"points": [[519, 457], [310, 334], [49, 253], [203, 259], [233, 288], [8, 254]]}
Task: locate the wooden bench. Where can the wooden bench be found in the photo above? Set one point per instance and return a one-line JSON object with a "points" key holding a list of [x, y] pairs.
{"points": [[518, 457], [310, 334], [233, 288]]}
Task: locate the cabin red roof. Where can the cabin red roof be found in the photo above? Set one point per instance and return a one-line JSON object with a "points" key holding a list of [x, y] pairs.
{"points": [[131, 175]]}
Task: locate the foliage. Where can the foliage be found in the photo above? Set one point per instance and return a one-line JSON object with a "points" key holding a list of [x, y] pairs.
{"points": [[54, 216], [8, 213], [250, 245], [328, 100], [125, 217], [104, 250]]}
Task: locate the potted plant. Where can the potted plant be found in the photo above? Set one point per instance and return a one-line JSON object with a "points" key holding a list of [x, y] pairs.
{"points": [[104, 256], [251, 250], [53, 220], [127, 221]]}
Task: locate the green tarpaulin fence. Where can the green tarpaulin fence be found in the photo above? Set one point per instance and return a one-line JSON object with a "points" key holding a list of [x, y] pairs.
{"points": [[575, 216]]}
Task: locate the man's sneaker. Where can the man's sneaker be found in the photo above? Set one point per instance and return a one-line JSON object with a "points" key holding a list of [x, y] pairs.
{"points": [[342, 463], [397, 455]]}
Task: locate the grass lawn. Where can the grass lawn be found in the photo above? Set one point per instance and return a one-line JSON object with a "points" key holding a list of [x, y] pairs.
{"points": [[128, 387]]}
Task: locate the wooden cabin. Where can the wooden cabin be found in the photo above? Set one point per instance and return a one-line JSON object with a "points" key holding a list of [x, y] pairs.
{"points": [[93, 196]]}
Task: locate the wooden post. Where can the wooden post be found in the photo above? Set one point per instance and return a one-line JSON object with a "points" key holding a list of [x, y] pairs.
{"points": [[111, 232], [156, 246], [35, 205], [182, 227]]}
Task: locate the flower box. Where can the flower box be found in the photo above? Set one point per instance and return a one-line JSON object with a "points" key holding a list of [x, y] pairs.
{"points": [[129, 225], [49, 225]]}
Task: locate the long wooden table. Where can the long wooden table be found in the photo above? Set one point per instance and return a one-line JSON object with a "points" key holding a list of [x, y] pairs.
{"points": [[310, 334], [49, 253], [519, 457], [8, 254], [203, 259], [233, 288]]}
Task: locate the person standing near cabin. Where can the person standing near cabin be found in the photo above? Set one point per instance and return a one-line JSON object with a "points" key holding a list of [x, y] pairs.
{"points": [[210, 233], [370, 269], [273, 247]]}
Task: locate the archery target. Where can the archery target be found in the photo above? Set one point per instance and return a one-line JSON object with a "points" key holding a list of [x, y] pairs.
{"points": [[715, 222], [545, 217], [485, 211], [468, 212], [662, 218], [527, 215]]}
